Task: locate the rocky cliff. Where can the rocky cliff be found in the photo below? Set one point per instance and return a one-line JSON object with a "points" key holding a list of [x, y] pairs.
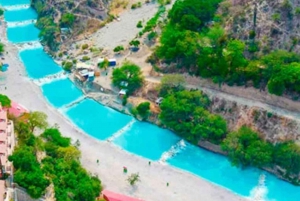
{"points": [[264, 25]]}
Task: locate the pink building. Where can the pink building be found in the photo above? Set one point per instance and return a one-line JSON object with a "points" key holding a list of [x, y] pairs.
{"points": [[7, 144]]}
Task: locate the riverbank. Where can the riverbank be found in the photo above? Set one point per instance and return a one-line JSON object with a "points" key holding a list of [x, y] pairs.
{"points": [[152, 187]]}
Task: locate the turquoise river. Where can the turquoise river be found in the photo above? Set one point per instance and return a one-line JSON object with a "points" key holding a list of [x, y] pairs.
{"points": [[143, 139]]}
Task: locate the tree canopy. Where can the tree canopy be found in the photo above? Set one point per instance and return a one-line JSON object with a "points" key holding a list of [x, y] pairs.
{"points": [[37, 120], [129, 73], [5, 101], [185, 112]]}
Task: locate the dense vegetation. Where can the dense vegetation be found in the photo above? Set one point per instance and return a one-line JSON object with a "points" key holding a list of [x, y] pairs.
{"points": [[50, 158], [192, 43], [246, 148], [187, 114], [45, 22]]}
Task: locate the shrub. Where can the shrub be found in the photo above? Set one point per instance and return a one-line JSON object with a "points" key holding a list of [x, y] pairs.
{"points": [[60, 54], [143, 109], [68, 66], [139, 24], [124, 100], [118, 48], [84, 46], [134, 6], [85, 58], [297, 11], [135, 43]]}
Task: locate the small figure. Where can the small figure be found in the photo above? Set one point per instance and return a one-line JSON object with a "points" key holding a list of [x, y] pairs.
{"points": [[98, 161], [149, 162], [167, 183], [125, 169]]}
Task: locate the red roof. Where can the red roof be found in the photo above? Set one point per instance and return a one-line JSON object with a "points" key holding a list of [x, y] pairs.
{"points": [[111, 196]]}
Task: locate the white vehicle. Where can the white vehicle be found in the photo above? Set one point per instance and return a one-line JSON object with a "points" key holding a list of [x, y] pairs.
{"points": [[159, 100]]}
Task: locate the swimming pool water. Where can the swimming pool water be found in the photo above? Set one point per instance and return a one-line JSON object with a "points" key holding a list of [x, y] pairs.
{"points": [[61, 92], [13, 2], [97, 120], [21, 34], [20, 15], [38, 64], [217, 169], [146, 140]]}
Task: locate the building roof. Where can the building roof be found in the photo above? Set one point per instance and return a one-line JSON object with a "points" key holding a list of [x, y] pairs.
{"points": [[81, 65], [17, 109], [112, 196]]}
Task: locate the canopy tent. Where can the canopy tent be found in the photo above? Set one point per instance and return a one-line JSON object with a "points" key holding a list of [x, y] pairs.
{"points": [[80, 65]]}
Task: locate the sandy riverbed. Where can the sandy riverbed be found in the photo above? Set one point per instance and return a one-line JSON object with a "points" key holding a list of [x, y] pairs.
{"points": [[183, 185]]}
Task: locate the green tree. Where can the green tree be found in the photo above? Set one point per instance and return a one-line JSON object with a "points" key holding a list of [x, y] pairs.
{"points": [[1, 12], [133, 178], [135, 43], [129, 73], [244, 147], [192, 14], [104, 64], [1, 48], [67, 19], [118, 48], [53, 135], [68, 66], [37, 120], [143, 109], [5, 101]]}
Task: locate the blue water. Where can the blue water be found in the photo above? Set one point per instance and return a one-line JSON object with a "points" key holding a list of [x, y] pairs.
{"points": [[217, 169], [13, 2], [97, 120], [20, 15], [61, 92], [38, 64], [147, 140], [21, 34]]}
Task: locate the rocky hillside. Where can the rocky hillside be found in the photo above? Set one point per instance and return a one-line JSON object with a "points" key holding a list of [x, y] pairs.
{"points": [[66, 19], [273, 127], [264, 24]]}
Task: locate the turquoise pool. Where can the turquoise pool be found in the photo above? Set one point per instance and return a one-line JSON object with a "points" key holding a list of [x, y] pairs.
{"points": [[13, 2], [97, 120], [20, 15], [146, 140], [38, 64], [61, 92], [217, 169], [21, 34]]}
